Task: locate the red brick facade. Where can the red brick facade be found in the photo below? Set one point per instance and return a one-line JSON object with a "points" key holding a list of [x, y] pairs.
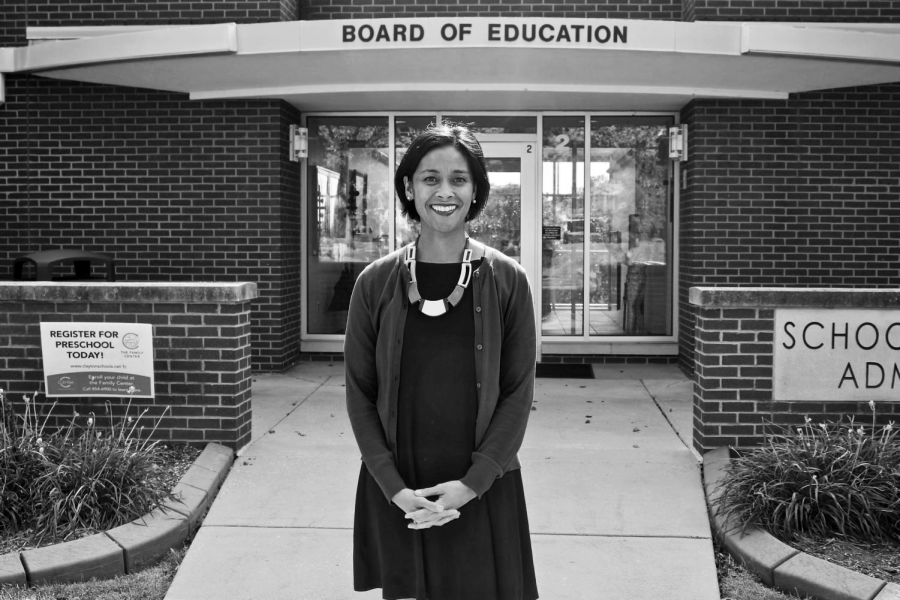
{"points": [[174, 189], [201, 351], [661, 10], [76, 13], [796, 192], [800, 193], [733, 383], [879, 11]]}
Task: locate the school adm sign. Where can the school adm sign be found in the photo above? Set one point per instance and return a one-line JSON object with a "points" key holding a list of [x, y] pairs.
{"points": [[843, 355]]}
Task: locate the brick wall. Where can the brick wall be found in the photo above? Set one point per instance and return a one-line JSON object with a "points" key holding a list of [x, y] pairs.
{"points": [[793, 10], [281, 346], [173, 189], [733, 382], [76, 13], [733, 379], [687, 10], [668, 10], [201, 351], [801, 192], [290, 10]]}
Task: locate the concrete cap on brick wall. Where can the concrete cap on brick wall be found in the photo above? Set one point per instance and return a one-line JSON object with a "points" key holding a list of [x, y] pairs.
{"points": [[742, 297], [138, 291]]}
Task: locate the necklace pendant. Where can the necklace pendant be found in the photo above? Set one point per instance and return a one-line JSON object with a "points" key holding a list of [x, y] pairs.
{"points": [[436, 308], [433, 308]]}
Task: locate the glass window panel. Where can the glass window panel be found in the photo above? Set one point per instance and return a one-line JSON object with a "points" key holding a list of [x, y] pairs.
{"points": [[499, 224], [495, 123], [351, 203], [630, 227], [405, 131], [562, 262]]}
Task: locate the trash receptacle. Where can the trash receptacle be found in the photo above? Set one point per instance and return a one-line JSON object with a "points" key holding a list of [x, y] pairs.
{"points": [[45, 261]]}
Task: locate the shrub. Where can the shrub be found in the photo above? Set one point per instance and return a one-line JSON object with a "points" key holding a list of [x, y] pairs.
{"points": [[54, 485], [820, 480]]}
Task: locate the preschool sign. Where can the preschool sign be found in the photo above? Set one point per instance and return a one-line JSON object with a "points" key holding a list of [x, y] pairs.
{"points": [[846, 354], [98, 359]]}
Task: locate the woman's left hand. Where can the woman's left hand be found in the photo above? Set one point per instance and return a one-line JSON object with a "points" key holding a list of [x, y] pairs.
{"points": [[451, 494]]}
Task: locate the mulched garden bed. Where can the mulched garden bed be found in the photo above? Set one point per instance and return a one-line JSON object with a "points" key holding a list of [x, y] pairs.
{"points": [[880, 560], [176, 461]]}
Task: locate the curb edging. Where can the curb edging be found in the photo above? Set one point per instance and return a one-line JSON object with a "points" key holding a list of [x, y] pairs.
{"points": [[132, 546], [777, 564]]}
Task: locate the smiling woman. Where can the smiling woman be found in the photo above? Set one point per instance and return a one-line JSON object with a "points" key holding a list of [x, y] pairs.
{"points": [[442, 191], [439, 359]]}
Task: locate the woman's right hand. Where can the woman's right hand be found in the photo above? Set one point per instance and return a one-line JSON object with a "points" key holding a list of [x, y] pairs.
{"points": [[423, 512]]}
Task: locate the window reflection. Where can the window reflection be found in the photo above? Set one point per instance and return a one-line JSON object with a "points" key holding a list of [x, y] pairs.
{"points": [[630, 274], [406, 129], [500, 223], [562, 271], [495, 123], [349, 177], [628, 231]]}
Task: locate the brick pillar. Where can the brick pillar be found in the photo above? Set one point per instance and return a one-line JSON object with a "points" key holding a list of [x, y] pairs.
{"points": [[732, 375], [201, 340], [736, 396]]}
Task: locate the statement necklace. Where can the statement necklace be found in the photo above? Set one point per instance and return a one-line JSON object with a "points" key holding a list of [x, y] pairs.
{"points": [[436, 308]]}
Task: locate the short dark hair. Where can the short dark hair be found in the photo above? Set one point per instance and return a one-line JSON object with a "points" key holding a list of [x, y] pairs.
{"points": [[440, 136]]}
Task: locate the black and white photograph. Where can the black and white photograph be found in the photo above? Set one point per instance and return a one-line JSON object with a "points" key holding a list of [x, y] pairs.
{"points": [[450, 300]]}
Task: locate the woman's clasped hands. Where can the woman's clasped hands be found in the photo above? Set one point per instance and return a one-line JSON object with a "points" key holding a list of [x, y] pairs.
{"points": [[426, 513]]}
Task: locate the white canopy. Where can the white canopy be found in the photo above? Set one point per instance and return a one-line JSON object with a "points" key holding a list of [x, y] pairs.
{"points": [[470, 64]]}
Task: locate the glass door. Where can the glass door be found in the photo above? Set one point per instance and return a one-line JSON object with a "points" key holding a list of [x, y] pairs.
{"points": [[584, 202], [508, 222], [630, 266], [607, 225]]}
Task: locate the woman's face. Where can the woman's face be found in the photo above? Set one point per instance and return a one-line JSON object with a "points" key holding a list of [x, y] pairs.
{"points": [[442, 190]]}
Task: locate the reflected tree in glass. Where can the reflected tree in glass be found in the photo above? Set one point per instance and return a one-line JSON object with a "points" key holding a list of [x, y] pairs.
{"points": [[406, 129], [562, 210], [499, 224], [630, 225], [351, 205]]}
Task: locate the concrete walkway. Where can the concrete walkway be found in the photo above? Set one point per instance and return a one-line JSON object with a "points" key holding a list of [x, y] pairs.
{"points": [[614, 496]]}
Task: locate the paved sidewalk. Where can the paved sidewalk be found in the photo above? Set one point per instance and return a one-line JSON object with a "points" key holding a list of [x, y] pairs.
{"points": [[614, 496]]}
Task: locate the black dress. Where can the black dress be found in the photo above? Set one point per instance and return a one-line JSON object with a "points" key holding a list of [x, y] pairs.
{"points": [[485, 554]]}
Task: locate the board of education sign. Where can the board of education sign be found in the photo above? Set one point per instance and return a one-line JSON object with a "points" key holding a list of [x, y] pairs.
{"points": [[484, 32], [98, 359], [845, 355]]}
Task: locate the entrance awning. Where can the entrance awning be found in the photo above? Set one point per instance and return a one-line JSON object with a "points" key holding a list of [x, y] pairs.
{"points": [[475, 64]]}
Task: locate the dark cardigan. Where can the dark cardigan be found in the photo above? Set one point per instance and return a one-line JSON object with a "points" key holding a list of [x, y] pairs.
{"points": [[505, 347]]}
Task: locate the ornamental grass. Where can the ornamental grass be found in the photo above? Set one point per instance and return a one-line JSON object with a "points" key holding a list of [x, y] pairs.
{"points": [[821, 480], [89, 476]]}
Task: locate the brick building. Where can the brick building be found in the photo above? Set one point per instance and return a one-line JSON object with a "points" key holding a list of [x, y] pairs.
{"points": [[161, 134]]}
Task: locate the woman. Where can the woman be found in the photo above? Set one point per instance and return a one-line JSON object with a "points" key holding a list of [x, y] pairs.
{"points": [[439, 358]]}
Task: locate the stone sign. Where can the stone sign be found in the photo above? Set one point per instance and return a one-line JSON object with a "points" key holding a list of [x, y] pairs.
{"points": [[836, 354]]}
